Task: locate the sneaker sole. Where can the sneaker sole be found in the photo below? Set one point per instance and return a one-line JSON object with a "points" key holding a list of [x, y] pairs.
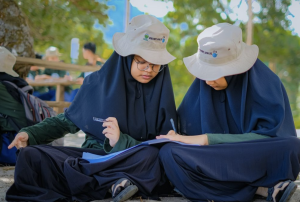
{"points": [[126, 193]]}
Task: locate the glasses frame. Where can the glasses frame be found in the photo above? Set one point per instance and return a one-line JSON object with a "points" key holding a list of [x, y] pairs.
{"points": [[148, 66]]}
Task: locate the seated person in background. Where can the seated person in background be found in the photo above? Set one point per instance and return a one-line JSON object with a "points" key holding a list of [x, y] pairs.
{"points": [[34, 72], [89, 53], [52, 54], [9, 106]]}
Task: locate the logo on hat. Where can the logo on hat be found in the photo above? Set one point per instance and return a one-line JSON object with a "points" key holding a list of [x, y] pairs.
{"points": [[146, 37], [215, 54]]}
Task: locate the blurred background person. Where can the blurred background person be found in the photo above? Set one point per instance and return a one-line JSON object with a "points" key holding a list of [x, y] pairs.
{"points": [[52, 54], [34, 72], [11, 110], [89, 53]]}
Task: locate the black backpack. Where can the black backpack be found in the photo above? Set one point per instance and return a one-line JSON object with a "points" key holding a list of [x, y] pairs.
{"points": [[36, 110]]}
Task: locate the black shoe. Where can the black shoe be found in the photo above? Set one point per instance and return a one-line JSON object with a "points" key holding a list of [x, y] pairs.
{"points": [[284, 194], [123, 189]]}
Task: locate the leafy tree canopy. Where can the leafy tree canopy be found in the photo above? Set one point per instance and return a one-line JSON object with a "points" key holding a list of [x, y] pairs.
{"points": [[56, 22], [276, 43]]}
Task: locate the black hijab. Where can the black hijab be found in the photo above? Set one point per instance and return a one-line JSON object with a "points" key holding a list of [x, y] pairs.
{"points": [[253, 102], [143, 111]]}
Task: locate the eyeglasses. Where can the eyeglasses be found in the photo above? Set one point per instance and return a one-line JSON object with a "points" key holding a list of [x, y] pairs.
{"points": [[143, 66]]}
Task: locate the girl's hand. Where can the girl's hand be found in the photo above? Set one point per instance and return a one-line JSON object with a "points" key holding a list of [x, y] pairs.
{"points": [[21, 140], [171, 136], [112, 130], [193, 139]]}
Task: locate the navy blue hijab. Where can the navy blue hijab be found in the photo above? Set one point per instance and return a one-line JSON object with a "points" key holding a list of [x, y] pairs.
{"points": [[253, 102], [143, 111]]}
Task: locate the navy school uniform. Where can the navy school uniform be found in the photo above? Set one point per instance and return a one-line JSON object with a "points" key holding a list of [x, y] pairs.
{"points": [[143, 111], [253, 102]]}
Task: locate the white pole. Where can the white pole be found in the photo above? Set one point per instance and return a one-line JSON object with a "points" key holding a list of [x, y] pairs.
{"points": [[249, 24], [127, 14]]}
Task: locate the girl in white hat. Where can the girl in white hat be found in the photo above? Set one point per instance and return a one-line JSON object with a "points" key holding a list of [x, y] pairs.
{"points": [[129, 100], [237, 112]]}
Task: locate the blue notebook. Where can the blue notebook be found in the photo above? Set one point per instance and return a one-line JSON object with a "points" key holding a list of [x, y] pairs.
{"points": [[94, 158]]}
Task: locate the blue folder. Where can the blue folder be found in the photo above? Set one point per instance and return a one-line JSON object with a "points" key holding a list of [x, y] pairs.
{"points": [[94, 158]]}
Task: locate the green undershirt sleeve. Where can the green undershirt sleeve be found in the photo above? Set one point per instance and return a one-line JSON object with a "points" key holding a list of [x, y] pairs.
{"points": [[125, 141], [231, 138], [50, 129]]}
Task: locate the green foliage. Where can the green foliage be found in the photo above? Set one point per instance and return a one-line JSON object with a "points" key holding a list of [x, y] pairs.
{"points": [[56, 22], [277, 45]]}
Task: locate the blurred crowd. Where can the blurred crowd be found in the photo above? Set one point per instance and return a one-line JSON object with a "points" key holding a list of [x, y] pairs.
{"points": [[43, 74]]}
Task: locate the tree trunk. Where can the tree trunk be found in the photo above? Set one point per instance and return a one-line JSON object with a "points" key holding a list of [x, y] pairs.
{"points": [[14, 33]]}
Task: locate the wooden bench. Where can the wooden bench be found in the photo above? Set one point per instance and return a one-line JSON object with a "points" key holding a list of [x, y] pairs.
{"points": [[60, 84]]}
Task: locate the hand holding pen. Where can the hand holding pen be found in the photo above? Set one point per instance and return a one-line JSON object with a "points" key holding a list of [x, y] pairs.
{"points": [[193, 139], [112, 130], [172, 134]]}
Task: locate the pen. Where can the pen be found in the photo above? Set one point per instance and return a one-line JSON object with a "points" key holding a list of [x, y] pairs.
{"points": [[173, 126], [98, 119]]}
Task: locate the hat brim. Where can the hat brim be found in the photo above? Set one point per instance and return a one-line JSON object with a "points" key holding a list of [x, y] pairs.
{"points": [[124, 48], [11, 72], [210, 72]]}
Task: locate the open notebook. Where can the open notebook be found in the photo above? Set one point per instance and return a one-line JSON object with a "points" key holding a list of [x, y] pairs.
{"points": [[93, 158]]}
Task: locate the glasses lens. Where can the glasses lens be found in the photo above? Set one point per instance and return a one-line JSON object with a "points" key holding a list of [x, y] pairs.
{"points": [[156, 68], [142, 66]]}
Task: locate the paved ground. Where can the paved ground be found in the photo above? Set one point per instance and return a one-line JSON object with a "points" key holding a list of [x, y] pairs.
{"points": [[6, 177]]}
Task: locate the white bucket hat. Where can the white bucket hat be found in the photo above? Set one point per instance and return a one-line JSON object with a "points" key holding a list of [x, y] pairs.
{"points": [[7, 62], [52, 51], [221, 52], [147, 37]]}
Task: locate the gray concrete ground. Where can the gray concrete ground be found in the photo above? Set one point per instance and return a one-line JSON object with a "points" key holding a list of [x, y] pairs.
{"points": [[6, 177]]}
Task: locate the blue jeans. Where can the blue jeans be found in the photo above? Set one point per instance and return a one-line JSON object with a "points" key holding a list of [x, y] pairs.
{"points": [[7, 156], [50, 95]]}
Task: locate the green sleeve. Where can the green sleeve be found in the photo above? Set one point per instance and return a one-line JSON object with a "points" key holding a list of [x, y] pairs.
{"points": [[47, 72], [50, 129], [62, 73], [230, 138], [12, 108], [125, 141], [90, 142], [81, 75]]}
